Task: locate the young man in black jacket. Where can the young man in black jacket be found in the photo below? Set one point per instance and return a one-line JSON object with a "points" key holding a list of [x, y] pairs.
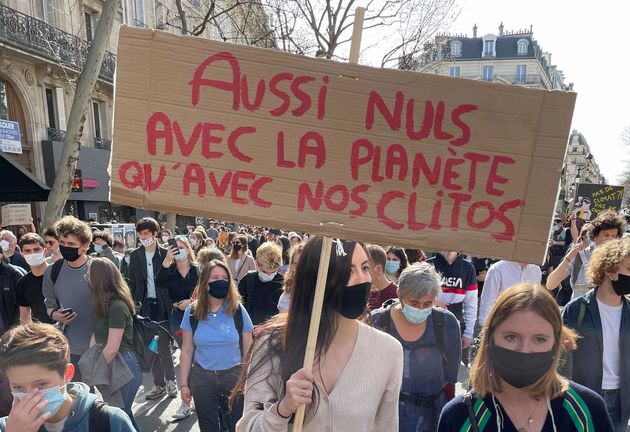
{"points": [[152, 301]]}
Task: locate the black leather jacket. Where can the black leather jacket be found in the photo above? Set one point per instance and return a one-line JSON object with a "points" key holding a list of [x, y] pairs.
{"points": [[9, 275]]}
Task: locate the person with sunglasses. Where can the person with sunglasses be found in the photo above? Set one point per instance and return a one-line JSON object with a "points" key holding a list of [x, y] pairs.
{"points": [[239, 261]]}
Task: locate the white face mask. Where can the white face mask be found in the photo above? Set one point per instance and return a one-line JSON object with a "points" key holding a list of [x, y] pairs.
{"points": [[264, 277], [4, 245], [127, 259], [165, 238], [35, 259], [147, 242]]}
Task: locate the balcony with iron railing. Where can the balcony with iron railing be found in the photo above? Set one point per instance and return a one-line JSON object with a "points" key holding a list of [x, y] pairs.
{"points": [[40, 38]]}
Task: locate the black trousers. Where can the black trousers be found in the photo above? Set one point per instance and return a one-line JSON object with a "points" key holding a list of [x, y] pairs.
{"points": [[210, 392]]}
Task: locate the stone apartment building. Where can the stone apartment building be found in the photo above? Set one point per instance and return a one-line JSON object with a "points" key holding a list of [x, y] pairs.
{"points": [[43, 46], [515, 58]]}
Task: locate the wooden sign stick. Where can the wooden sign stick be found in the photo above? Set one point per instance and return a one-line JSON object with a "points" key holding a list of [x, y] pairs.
{"points": [[324, 258]]}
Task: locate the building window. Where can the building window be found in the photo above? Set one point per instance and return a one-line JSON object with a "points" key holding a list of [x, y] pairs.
{"points": [[456, 49], [138, 13], [44, 11], [454, 71], [521, 74], [488, 48], [96, 111], [161, 16], [488, 73], [88, 26], [51, 109], [522, 46]]}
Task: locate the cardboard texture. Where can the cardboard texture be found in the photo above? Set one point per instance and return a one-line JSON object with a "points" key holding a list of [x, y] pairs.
{"points": [[593, 199], [267, 138], [16, 214]]}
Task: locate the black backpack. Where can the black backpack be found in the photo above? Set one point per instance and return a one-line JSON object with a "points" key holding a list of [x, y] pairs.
{"points": [[99, 417], [144, 330], [385, 323], [238, 322]]}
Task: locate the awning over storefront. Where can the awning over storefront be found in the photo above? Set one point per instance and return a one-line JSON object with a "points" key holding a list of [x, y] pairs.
{"points": [[19, 185]]}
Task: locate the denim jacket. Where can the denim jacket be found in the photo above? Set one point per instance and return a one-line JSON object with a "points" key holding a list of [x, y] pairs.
{"points": [[584, 365]]}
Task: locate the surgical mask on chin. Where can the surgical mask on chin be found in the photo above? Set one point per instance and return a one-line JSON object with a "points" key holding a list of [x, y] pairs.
{"points": [[4, 245], [147, 242], [54, 397], [182, 255], [415, 315], [35, 259], [264, 277]]}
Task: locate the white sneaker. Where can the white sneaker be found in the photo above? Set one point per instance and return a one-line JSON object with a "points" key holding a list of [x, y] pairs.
{"points": [[183, 412], [171, 389]]}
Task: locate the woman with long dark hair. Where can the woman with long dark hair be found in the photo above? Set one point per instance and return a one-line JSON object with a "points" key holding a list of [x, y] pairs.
{"points": [[357, 372], [113, 308], [240, 261], [396, 262], [211, 355]]}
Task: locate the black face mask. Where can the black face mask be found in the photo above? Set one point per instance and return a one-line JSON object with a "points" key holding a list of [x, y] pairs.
{"points": [[622, 285], [218, 288], [520, 369], [353, 300], [69, 253], [237, 247]]}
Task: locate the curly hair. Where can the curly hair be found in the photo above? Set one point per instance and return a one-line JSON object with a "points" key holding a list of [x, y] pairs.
{"points": [[608, 220], [607, 258]]}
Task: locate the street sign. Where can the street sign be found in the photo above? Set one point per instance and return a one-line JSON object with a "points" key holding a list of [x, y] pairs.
{"points": [[384, 156], [10, 138]]}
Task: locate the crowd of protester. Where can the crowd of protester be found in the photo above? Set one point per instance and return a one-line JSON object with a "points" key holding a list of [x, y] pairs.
{"points": [[545, 344]]}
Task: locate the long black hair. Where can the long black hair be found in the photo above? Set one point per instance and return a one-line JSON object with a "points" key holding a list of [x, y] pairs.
{"points": [[288, 333]]}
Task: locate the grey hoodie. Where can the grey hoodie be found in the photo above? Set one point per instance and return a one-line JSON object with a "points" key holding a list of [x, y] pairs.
{"points": [[79, 420]]}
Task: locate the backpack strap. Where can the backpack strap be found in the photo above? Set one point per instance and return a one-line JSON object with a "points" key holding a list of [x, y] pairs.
{"points": [[238, 322], [56, 269], [438, 329], [578, 411], [99, 417], [580, 317], [478, 414], [194, 322]]}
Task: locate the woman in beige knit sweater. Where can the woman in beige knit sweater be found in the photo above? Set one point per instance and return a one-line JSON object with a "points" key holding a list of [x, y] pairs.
{"points": [[355, 383]]}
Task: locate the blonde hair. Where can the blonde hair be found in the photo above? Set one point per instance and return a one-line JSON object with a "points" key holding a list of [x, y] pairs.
{"points": [[535, 298], [289, 277], [269, 254], [607, 258], [232, 301], [190, 254]]}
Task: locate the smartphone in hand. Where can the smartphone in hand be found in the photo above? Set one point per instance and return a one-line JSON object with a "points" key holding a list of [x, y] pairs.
{"points": [[172, 244]]}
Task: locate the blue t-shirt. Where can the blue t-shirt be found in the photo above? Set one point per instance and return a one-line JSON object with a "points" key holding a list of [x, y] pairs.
{"points": [[216, 339]]}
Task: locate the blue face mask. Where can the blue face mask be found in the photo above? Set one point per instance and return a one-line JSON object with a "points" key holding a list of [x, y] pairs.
{"points": [[54, 397], [182, 255], [98, 248], [415, 315], [392, 267]]}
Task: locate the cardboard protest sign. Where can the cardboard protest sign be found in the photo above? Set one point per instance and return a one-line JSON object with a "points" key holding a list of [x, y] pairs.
{"points": [[593, 199], [263, 137], [16, 214]]}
